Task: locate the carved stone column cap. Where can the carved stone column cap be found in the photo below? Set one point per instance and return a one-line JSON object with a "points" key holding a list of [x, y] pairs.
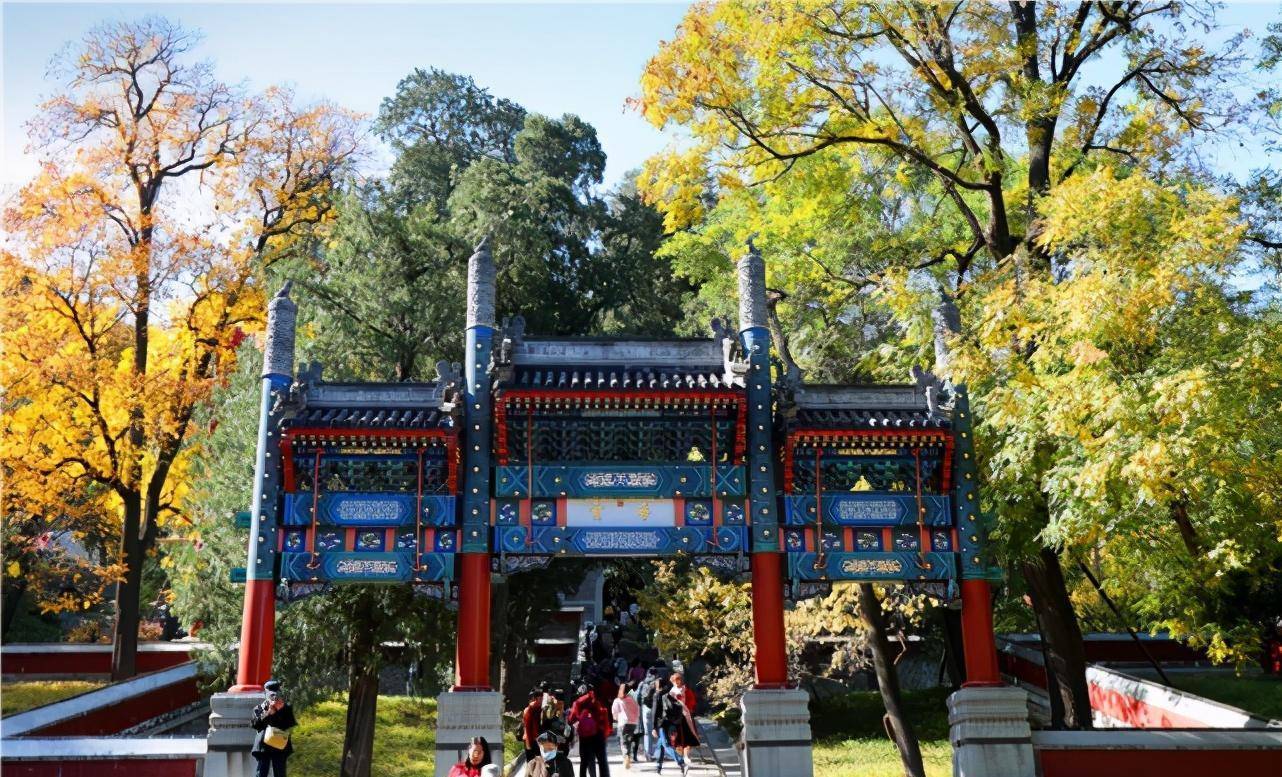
{"points": [[278, 350], [481, 285], [752, 289]]}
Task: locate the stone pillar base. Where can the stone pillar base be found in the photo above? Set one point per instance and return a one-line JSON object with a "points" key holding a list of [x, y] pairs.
{"points": [[988, 729], [230, 735], [776, 733], [461, 715]]}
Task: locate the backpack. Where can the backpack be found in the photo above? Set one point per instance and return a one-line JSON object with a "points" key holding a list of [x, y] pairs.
{"points": [[587, 725], [646, 692]]}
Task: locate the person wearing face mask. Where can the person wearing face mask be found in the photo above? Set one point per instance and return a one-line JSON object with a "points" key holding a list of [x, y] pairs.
{"points": [[272, 719], [550, 762]]}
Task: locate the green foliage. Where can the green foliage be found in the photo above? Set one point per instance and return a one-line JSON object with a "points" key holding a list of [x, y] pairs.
{"points": [[23, 696], [851, 741]]}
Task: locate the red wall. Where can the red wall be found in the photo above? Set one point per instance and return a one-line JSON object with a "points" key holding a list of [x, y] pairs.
{"points": [[122, 767], [1158, 763], [87, 662], [118, 717]]}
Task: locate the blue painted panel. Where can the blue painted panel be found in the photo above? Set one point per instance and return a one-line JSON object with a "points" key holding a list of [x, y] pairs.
{"points": [[873, 566], [366, 567], [660, 541], [659, 482], [868, 509], [350, 508]]}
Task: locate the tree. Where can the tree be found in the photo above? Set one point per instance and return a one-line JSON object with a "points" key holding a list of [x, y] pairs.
{"points": [[138, 259], [990, 105]]}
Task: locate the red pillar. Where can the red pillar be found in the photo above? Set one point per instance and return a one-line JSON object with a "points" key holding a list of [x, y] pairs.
{"points": [[767, 620], [257, 635], [978, 642], [472, 659]]}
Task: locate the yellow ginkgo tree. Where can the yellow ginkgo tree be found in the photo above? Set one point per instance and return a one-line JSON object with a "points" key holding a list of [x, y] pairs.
{"points": [[133, 267]]}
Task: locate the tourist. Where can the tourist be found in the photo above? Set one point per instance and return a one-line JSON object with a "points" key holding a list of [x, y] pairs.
{"points": [[588, 648], [531, 724], [272, 719], [668, 720], [592, 725], [552, 720], [551, 761], [687, 736], [645, 698], [636, 672], [477, 758], [627, 717]]}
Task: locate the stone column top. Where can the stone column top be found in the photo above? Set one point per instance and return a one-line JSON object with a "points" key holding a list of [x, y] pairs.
{"points": [[480, 286], [752, 289]]}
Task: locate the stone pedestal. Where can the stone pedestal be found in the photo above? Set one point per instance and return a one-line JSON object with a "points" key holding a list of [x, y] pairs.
{"points": [[230, 735], [776, 733], [461, 715], [988, 729]]}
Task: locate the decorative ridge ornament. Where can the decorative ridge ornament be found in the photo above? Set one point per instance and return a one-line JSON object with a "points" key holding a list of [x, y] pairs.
{"points": [[939, 394]]}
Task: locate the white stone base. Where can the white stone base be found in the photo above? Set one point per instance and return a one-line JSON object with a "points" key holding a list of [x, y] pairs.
{"points": [[988, 729], [461, 715], [230, 735], [776, 733]]}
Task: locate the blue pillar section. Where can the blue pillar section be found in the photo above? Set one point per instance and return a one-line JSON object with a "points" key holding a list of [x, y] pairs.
{"points": [[972, 523], [477, 440], [261, 564], [278, 369], [760, 449]]}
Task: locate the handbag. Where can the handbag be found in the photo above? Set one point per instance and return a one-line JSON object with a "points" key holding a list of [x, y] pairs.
{"points": [[276, 737]]}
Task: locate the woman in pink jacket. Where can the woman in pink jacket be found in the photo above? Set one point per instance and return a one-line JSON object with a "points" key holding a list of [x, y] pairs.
{"points": [[627, 719]]}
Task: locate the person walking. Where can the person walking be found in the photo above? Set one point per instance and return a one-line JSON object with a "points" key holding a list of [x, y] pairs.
{"points": [[591, 725], [550, 761], [272, 719], [531, 724], [668, 717], [645, 698], [477, 758], [627, 718], [687, 734]]}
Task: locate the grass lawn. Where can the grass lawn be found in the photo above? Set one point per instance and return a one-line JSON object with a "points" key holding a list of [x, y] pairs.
{"points": [[850, 740], [22, 696], [404, 738], [1260, 694]]}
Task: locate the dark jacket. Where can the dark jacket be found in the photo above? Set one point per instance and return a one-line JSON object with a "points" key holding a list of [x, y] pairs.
{"points": [[667, 710], [559, 767], [281, 718]]}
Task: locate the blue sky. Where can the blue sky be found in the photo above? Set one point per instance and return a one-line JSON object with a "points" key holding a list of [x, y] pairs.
{"points": [[569, 58], [555, 59]]}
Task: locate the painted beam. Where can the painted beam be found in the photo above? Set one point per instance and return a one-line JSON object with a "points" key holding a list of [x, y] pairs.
{"points": [[867, 509], [366, 567], [659, 482], [351, 508], [614, 542], [888, 567]]}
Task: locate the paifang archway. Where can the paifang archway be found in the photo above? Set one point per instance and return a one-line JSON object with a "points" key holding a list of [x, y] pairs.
{"points": [[539, 448]]}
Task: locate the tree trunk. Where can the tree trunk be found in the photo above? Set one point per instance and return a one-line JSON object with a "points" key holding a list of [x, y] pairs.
{"points": [[362, 692], [954, 654], [499, 632], [12, 600], [1188, 533], [124, 649], [1065, 651], [888, 682]]}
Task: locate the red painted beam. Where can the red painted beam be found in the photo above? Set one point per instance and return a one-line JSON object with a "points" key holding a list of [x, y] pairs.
{"points": [[767, 620], [472, 659]]}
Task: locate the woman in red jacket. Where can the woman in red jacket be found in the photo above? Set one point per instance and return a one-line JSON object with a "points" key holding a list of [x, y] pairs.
{"points": [[592, 723]]}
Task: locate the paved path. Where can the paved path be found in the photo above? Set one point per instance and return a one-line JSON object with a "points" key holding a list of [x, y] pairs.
{"points": [[711, 759]]}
